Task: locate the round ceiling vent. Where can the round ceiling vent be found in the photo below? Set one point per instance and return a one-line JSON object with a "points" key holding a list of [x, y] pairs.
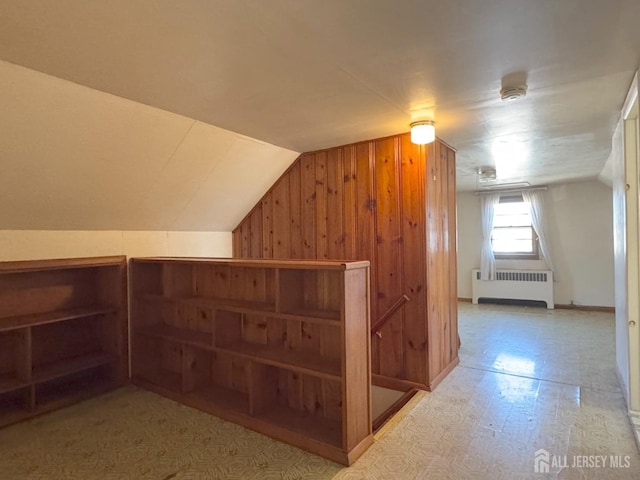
{"points": [[509, 94]]}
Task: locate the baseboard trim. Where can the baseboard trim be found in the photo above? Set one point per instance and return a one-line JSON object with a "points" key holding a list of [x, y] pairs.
{"points": [[565, 306], [586, 308]]}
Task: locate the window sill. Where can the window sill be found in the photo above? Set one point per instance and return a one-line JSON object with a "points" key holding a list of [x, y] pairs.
{"points": [[516, 256]]}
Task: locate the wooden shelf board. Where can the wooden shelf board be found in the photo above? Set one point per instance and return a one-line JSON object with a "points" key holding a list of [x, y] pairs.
{"points": [[69, 366], [224, 398], [244, 306], [24, 266], [241, 306], [260, 263], [322, 429], [9, 384], [313, 313], [302, 362], [183, 335], [21, 321]]}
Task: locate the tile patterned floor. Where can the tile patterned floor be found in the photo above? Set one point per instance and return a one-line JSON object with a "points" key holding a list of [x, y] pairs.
{"points": [[529, 379]]}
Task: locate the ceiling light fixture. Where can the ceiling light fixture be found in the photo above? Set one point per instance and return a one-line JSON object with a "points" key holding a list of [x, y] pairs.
{"points": [[486, 174], [423, 132]]}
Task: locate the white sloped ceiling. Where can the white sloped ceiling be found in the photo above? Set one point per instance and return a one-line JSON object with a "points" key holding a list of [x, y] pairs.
{"points": [[75, 158]]}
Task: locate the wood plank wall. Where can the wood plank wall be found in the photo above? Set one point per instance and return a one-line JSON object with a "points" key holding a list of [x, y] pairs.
{"points": [[390, 202]]}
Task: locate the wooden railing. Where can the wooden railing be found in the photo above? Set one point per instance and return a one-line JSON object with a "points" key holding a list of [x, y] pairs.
{"points": [[375, 329]]}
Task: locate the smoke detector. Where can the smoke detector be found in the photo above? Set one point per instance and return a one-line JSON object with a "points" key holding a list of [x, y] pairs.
{"points": [[509, 94]]}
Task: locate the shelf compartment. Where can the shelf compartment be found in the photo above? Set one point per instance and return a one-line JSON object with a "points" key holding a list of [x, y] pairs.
{"points": [[14, 359], [163, 378], [326, 430], [293, 360], [14, 405], [8, 384], [18, 321], [57, 392], [183, 335], [158, 361], [216, 377], [312, 293], [301, 403], [223, 398], [69, 366]]}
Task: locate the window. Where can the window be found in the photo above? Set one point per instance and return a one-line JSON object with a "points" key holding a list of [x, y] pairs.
{"points": [[513, 235]]}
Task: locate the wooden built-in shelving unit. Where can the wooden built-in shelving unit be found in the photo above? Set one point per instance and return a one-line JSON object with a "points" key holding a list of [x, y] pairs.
{"points": [[281, 347], [63, 333]]}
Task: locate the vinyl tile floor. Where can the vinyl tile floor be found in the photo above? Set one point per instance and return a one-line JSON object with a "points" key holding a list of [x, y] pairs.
{"points": [[532, 384]]}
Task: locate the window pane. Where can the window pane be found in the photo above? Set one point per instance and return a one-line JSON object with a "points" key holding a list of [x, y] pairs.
{"points": [[513, 208], [519, 220], [512, 246], [516, 233], [512, 228]]}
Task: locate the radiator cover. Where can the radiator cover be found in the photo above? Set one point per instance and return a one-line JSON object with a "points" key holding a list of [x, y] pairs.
{"points": [[514, 285]]}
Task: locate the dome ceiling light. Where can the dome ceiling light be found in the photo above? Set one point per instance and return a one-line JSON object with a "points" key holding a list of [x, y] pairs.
{"points": [[423, 132]]}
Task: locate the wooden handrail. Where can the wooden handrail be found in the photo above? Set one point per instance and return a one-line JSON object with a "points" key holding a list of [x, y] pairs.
{"points": [[375, 329]]}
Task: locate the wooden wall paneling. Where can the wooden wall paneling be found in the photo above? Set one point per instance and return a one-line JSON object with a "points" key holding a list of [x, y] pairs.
{"points": [[439, 324], [335, 204], [295, 211], [246, 238], [431, 227], [281, 219], [308, 186], [413, 161], [438, 293], [350, 202], [389, 257], [344, 202], [444, 229], [237, 241], [453, 252], [267, 225], [365, 227], [255, 235], [322, 248]]}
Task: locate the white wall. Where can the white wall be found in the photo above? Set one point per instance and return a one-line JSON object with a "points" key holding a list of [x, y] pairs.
{"points": [[43, 244], [74, 158], [580, 227]]}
